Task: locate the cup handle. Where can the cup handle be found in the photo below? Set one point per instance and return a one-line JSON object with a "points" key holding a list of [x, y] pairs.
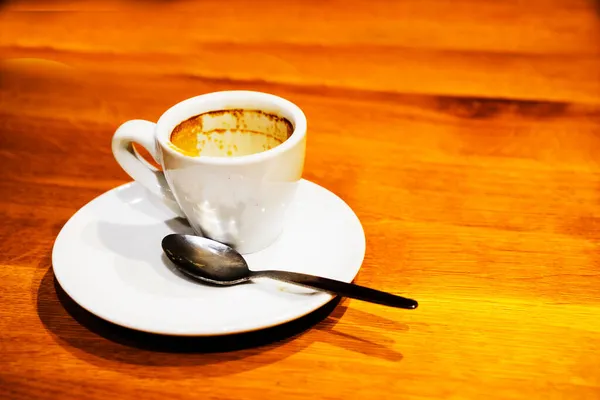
{"points": [[142, 132]]}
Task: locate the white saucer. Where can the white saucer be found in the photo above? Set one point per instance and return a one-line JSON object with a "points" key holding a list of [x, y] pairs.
{"points": [[109, 260]]}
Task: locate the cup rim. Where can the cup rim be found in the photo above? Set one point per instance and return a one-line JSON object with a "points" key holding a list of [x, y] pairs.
{"points": [[298, 120]]}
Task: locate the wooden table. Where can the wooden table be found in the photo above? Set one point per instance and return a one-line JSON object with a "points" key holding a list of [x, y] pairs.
{"points": [[465, 134]]}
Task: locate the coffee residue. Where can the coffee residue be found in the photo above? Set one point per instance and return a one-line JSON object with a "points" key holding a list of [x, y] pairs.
{"points": [[186, 136]]}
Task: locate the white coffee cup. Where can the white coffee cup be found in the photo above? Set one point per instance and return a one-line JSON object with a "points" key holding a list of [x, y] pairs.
{"points": [[240, 201]]}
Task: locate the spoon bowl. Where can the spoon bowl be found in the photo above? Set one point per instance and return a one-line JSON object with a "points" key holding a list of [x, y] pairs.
{"points": [[206, 259]]}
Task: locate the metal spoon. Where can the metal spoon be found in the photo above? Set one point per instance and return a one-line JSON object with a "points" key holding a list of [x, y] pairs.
{"points": [[213, 262]]}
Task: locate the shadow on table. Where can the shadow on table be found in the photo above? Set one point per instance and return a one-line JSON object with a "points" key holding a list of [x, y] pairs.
{"points": [[107, 345]]}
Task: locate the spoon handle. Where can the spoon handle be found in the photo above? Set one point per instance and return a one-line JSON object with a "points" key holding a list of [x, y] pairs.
{"points": [[341, 288]]}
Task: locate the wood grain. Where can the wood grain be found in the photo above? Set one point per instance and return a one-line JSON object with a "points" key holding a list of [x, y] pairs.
{"points": [[465, 135]]}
